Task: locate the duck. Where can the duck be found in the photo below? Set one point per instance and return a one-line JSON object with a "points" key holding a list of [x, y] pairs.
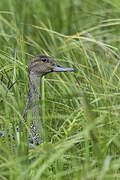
{"points": [[39, 66]]}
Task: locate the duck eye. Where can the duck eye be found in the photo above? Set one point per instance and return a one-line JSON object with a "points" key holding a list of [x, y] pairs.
{"points": [[44, 60]]}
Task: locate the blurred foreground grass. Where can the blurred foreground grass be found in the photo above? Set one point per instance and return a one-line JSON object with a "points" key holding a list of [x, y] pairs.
{"points": [[80, 110]]}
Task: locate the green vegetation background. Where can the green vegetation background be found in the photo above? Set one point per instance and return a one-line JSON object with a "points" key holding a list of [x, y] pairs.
{"points": [[80, 110]]}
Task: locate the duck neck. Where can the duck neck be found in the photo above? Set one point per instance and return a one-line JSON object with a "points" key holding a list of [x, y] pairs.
{"points": [[33, 90], [33, 96]]}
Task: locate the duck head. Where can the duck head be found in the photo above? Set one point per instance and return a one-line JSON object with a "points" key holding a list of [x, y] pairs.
{"points": [[42, 64]]}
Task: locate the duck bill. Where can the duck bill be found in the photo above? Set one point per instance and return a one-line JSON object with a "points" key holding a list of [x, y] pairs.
{"points": [[59, 68]]}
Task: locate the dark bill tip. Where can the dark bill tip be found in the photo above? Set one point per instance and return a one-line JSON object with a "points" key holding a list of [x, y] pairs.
{"points": [[59, 68]]}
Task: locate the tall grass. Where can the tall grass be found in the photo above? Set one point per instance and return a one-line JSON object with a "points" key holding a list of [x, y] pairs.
{"points": [[80, 110]]}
